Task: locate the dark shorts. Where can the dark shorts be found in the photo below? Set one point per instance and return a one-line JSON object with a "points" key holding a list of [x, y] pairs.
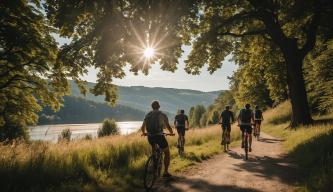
{"points": [[181, 130], [257, 122], [160, 140], [226, 127], [247, 128]]}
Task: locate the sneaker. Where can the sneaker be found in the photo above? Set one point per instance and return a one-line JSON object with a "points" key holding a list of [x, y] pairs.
{"points": [[166, 175]]}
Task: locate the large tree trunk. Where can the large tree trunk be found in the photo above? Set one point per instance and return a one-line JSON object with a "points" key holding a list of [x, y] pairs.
{"points": [[297, 93]]}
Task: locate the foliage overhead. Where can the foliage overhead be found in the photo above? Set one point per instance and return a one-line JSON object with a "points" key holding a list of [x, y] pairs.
{"points": [[30, 76], [109, 35]]}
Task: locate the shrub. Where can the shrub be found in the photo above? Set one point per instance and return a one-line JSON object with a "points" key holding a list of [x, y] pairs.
{"points": [[109, 127], [65, 135], [88, 137]]}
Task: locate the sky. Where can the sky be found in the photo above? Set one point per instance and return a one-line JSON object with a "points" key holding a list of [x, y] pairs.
{"points": [[179, 79]]}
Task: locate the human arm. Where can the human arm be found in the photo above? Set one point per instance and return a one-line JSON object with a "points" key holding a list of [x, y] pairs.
{"points": [[143, 127], [187, 126], [166, 122], [252, 117], [232, 117]]}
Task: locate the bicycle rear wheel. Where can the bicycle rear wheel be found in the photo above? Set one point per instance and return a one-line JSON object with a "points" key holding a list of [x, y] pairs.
{"points": [[150, 174], [246, 146]]}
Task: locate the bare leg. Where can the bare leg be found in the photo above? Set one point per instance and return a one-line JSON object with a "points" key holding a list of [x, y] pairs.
{"points": [[166, 159]]}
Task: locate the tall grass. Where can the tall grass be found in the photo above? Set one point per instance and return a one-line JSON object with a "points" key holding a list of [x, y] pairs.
{"points": [[95, 165], [311, 147]]}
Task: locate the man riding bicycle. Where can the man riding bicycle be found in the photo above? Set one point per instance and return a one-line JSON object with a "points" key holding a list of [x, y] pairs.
{"points": [[245, 120], [181, 123], [226, 118], [258, 117], [154, 123]]}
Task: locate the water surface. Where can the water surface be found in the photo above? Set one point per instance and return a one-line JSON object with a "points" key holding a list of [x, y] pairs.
{"points": [[51, 132]]}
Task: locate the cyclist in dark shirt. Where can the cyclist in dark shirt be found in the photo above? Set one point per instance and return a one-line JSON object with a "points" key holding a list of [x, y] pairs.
{"points": [[154, 123], [245, 120], [181, 123], [226, 118], [258, 117]]}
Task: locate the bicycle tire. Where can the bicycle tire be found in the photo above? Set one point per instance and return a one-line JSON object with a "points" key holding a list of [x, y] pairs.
{"points": [[149, 176], [246, 146]]}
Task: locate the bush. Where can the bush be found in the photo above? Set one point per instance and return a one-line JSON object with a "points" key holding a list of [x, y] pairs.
{"points": [[65, 135], [88, 137], [109, 127]]}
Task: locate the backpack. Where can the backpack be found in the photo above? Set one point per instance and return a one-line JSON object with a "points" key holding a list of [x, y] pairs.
{"points": [[258, 114], [153, 124], [245, 115]]}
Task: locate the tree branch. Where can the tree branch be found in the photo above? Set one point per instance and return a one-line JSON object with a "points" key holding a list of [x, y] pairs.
{"points": [[311, 31], [249, 33]]}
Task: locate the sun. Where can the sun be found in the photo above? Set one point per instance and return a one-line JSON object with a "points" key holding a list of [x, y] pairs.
{"points": [[149, 52]]}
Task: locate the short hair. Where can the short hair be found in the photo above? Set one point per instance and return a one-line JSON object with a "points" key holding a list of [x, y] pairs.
{"points": [[155, 105], [227, 107], [247, 106], [182, 111]]}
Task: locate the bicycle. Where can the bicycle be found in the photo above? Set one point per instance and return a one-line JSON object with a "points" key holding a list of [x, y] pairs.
{"points": [[246, 144], [180, 145], [256, 132], [153, 167], [225, 139]]}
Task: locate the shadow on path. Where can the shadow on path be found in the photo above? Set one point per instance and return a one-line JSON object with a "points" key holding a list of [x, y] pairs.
{"points": [[266, 140], [198, 185]]}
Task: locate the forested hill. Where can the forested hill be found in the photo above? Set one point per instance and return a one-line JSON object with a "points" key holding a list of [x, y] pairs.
{"points": [[79, 110], [140, 97]]}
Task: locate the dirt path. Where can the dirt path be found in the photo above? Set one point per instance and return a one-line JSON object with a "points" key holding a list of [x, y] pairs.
{"points": [[266, 170]]}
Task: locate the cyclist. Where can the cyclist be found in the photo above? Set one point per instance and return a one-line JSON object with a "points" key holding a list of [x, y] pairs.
{"points": [[154, 123], [181, 123], [258, 117], [245, 119], [226, 118]]}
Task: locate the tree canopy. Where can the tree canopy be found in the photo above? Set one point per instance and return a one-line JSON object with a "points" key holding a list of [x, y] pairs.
{"points": [[111, 34], [30, 76]]}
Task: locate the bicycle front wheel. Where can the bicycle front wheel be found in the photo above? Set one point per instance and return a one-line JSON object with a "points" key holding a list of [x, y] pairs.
{"points": [[150, 174]]}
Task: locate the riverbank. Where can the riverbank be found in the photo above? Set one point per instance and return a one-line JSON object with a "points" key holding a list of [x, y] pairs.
{"points": [[103, 164]]}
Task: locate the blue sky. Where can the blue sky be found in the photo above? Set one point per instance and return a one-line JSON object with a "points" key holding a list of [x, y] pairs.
{"points": [[179, 79]]}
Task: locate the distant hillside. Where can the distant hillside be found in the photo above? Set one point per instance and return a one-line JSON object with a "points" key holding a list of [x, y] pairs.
{"points": [[140, 97], [79, 110]]}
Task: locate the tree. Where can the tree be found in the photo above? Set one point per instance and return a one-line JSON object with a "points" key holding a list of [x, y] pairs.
{"points": [[30, 76], [198, 112], [293, 26], [319, 77]]}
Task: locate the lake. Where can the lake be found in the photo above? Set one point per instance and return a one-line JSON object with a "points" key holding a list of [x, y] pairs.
{"points": [[51, 132]]}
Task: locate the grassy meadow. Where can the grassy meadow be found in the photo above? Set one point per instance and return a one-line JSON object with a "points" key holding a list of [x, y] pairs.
{"points": [[112, 163], [310, 147]]}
